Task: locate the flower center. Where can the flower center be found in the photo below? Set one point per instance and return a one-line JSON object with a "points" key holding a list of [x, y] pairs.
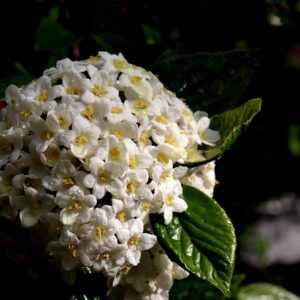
{"points": [[81, 139], [161, 119], [132, 186], [98, 91], [68, 181], [46, 135], [73, 250], [162, 158], [104, 177], [121, 216], [105, 256], [115, 153], [61, 120], [73, 90], [100, 234], [132, 161], [171, 141], [169, 200], [75, 205], [88, 113], [134, 241], [119, 63], [116, 110], [118, 133], [145, 206], [43, 96], [25, 114], [141, 105]]}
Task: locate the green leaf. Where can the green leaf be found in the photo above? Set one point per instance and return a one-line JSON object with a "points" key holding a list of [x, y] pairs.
{"points": [[264, 291], [110, 42], [152, 35], [52, 36], [212, 82], [230, 124], [201, 239], [18, 80], [294, 139], [194, 289]]}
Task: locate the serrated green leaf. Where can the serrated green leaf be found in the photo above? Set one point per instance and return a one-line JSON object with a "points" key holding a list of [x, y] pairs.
{"points": [[201, 239], [18, 80], [265, 291], [212, 82], [230, 124]]}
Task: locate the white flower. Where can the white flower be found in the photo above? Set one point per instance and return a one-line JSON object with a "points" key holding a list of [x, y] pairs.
{"points": [[132, 235], [206, 136], [64, 176], [42, 92], [102, 226], [170, 195], [11, 144], [75, 205], [83, 137], [104, 177], [33, 205]]}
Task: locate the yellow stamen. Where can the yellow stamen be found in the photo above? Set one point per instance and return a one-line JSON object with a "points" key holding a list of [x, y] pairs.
{"points": [[73, 250], [119, 63], [68, 181], [161, 119], [144, 138], [135, 80], [169, 200], [115, 153], [132, 161], [100, 234], [104, 176], [162, 158], [164, 176], [73, 90], [132, 186], [25, 114], [46, 135], [116, 110], [61, 120], [141, 105], [145, 206], [98, 90], [75, 205], [134, 241], [171, 141], [121, 216], [43, 96], [94, 59], [186, 113], [105, 256], [52, 156], [202, 135], [118, 133], [81, 139], [13, 100], [89, 112]]}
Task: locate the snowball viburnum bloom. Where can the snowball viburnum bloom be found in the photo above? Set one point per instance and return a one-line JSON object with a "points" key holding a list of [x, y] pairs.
{"points": [[90, 149]]}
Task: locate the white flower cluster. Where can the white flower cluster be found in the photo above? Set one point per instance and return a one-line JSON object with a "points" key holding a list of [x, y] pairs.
{"points": [[88, 150]]}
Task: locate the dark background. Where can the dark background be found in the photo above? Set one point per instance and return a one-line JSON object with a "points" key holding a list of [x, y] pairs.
{"points": [[264, 163]]}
